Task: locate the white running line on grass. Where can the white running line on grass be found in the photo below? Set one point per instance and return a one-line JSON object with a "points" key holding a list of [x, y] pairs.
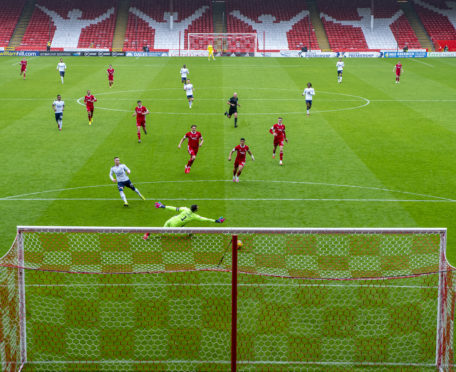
{"points": [[244, 199], [227, 285], [424, 63], [246, 181], [246, 362]]}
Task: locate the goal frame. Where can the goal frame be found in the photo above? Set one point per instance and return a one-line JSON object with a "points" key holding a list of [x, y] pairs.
{"points": [[223, 34], [444, 319]]}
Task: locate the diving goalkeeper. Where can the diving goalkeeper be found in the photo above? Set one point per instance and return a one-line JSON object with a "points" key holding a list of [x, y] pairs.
{"points": [[185, 216]]}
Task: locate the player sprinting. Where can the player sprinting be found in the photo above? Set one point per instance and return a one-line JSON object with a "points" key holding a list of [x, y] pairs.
{"points": [[184, 73], [188, 87], [185, 216], [309, 92], [121, 172], [210, 52], [23, 64], [195, 141], [242, 149], [110, 72], [58, 106], [233, 102], [398, 68], [278, 131], [340, 69], [140, 113], [89, 99], [61, 67]]}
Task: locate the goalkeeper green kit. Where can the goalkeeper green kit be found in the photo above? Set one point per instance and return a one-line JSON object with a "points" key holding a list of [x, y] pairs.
{"points": [[185, 216]]}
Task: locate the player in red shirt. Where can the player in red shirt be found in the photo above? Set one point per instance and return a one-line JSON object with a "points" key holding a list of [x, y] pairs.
{"points": [[110, 72], [278, 130], [398, 68], [195, 141], [140, 113], [89, 99], [242, 149], [23, 64]]}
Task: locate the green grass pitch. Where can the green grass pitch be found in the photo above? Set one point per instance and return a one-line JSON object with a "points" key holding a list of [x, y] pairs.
{"points": [[397, 151], [372, 154]]}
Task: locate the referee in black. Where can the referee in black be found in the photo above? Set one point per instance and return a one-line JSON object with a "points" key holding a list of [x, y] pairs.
{"points": [[233, 102]]}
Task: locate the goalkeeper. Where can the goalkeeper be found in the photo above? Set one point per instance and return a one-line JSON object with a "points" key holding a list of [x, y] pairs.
{"points": [[185, 216], [210, 51]]}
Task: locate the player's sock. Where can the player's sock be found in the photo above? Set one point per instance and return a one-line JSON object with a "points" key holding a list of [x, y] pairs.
{"points": [[124, 198], [190, 104], [281, 155], [139, 136], [226, 113], [341, 79], [190, 162], [273, 154], [61, 78], [140, 195], [234, 173], [235, 122], [308, 112]]}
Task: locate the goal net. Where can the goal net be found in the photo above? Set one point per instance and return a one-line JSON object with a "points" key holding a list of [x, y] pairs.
{"points": [[105, 299], [223, 42]]}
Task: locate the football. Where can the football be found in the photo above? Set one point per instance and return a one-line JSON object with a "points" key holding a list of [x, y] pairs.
{"points": [[240, 244]]}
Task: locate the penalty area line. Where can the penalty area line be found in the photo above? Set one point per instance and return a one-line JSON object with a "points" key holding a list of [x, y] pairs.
{"points": [[248, 199]]}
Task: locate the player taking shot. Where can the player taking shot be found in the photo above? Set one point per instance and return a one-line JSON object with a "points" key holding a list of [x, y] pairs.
{"points": [[195, 141], [242, 149], [185, 216], [121, 171]]}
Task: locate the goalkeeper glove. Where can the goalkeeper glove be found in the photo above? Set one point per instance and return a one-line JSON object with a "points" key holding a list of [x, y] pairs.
{"points": [[159, 205], [220, 220]]}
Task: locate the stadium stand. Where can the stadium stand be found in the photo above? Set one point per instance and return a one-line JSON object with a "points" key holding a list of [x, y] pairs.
{"points": [[149, 23], [9, 15], [85, 25], [283, 27], [348, 25], [438, 18]]}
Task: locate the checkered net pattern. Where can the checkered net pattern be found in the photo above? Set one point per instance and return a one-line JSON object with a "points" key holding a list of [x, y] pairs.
{"points": [[110, 300]]}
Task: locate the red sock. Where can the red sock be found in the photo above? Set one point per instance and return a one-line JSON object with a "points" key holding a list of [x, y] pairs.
{"points": [[190, 162], [139, 135], [281, 155], [234, 172]]}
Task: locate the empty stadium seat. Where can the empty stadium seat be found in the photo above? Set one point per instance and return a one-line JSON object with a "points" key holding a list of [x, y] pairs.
{"points": [[10, 11]]}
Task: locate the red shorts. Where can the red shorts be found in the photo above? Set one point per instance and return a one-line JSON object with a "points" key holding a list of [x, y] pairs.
{"points": [[398, 73], [111, 78], [239, 163], [278, 142], [193, 151], [89, 109], [23, 69], [141, 123]]}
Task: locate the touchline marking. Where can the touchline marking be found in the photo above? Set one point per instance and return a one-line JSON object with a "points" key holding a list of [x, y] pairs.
{"points": [[23, 196], [366, 102]]}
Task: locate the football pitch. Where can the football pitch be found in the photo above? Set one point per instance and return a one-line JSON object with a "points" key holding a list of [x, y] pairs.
{"points": [[371, 154]]}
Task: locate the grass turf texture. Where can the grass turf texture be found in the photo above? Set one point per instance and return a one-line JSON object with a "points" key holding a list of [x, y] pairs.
{"points": [[403, 140]]}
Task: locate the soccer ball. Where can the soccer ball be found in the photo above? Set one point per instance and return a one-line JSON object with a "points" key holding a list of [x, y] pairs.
{"points": [[240, 244]]}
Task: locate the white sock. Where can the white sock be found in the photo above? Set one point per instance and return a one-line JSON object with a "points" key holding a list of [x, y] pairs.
{"points": [[308, 112], [122, 195], [60, 124], [137, 191], [61, 78], [190, 103], [341, 79]]}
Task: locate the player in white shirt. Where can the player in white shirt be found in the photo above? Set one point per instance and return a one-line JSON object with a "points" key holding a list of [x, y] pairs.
{"points": [[340, 70], [61, 67], [189, 91], [184, 72], [309, 92], [58, 105], [121, 171]]}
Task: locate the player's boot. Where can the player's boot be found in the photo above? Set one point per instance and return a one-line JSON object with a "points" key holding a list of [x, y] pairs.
{"points": [[234, 178], [280, 162], [188, 169], [125, 204], [142, 197], [145, 131], [273, 155], [139, 141], [237, 179]]}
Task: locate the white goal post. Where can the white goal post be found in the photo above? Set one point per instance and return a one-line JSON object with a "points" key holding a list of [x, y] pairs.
{"points": [[223, 42], [209, 298]]}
